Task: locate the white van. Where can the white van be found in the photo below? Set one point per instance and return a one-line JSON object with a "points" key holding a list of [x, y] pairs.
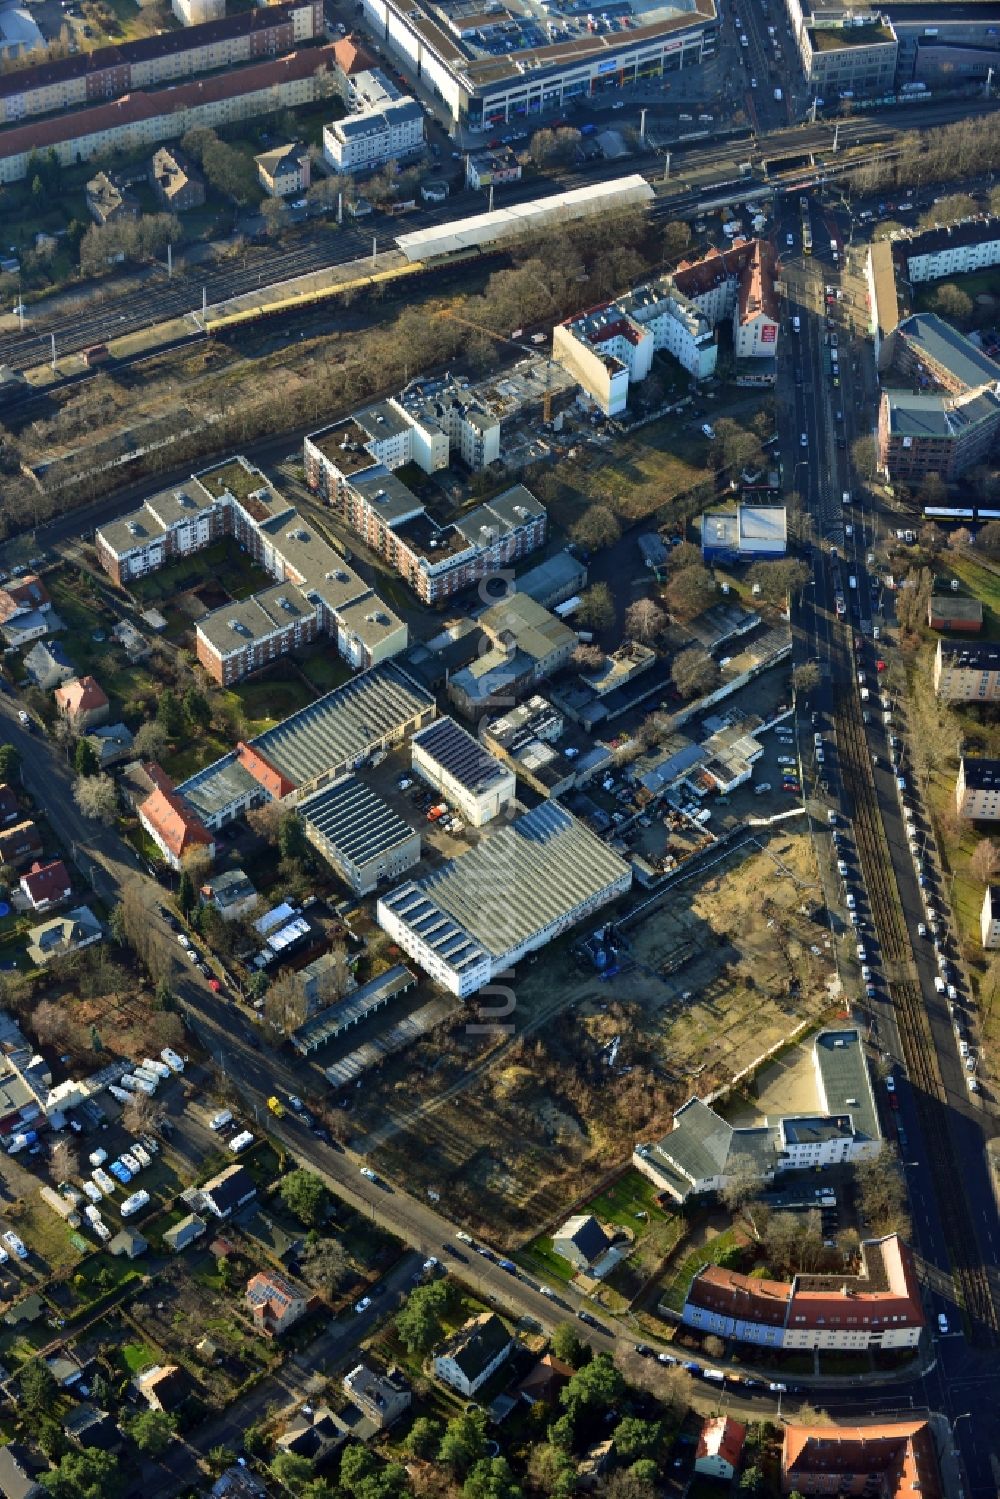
{"points": [[221, 1120]]}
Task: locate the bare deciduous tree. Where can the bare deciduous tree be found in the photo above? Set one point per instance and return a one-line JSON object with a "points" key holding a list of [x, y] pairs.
{"points": [[694, 672], [644, 620], [984, 861], [97, 798]]}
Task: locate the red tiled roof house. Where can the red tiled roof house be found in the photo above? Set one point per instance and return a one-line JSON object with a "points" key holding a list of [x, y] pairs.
{"points": [[83, 703], [173, 827], [275, 1303], [46, 885], [720, 1448]]}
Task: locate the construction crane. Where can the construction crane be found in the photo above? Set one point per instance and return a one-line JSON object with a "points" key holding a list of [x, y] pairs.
{"points": [[503, 338]]}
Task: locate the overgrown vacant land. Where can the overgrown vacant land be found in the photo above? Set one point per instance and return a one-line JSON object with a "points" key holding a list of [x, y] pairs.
{"points": [[720, 971]]}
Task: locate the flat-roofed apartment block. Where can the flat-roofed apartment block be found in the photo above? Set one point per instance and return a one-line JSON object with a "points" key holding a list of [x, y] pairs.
{"points": [[610, 347], [492, 67], [316, 593], [848, 53], [989, 919], [371, 138], [977, 789], [473, 780], [94, 77], [357, 832], [351, 465], [375, 711], [879, 1307], [967, 671], [477, 916], [703, 1150]]}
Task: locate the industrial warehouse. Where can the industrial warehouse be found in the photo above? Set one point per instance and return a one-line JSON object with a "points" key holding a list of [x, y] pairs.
{"points": [[478, 915]]}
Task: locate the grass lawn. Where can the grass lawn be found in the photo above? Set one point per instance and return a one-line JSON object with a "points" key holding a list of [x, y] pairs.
{"points": [[982, 583], [676, 1287], [184, 762], [541, 1257], [630, 1195], [325, 671], [975, 284], [138, 1356], [640, 476], [264, 704], [222, 564], [831, 1362]]}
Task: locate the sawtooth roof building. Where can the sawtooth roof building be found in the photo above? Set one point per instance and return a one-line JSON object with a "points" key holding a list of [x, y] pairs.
{"points": [[313, 747], [357, 832], [703, 1151], [879, 1307], [480, 914]]}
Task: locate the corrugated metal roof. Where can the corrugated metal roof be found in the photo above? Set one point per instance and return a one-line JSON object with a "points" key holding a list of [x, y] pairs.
{"points": [[357, 825]]}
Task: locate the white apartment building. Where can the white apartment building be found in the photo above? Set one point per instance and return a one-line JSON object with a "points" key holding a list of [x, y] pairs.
{"points": [[197, 12], [948, 249], [967, 672], [989, 921], [977, 789], [472, 780], [612, 346], [365, 141]]}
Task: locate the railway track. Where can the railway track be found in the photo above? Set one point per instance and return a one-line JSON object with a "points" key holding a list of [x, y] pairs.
{"points": [[969, 1272]]}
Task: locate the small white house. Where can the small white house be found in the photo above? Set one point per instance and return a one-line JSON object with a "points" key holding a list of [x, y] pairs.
{"points": [[475, 1353]]}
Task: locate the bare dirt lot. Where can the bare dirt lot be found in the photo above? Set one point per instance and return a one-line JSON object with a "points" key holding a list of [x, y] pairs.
{"points": [[786, 1086], [511, 1127]]}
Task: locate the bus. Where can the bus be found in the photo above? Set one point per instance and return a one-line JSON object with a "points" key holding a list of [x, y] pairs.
{"points": [[807, 240]]}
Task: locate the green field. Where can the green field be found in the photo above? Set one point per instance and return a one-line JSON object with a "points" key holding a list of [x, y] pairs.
{"points": [[676, 1287]]}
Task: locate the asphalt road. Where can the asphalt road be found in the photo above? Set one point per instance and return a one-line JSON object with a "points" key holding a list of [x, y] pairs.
{"points": [[961, 1384]]}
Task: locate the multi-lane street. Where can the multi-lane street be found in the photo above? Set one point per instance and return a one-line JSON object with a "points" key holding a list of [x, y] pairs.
{"points": [[940, 1127]]}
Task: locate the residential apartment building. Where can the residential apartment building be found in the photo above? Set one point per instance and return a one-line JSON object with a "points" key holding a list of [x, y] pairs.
{"points": [[611, 347], [948, 249], [702, 1152], [848, 54], [284, 171], [472, 780], [720, 1448], [879, 1307], [110, 202], [475, 1353], [948, 417], [198, 12], [174, 828], [176, 183], [977, 789], [370, 139], [106, 73], [989, 919], [892, 1459], [141, 120], [967, 671], [380, 1395], [351, 466], [315, 594]]}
